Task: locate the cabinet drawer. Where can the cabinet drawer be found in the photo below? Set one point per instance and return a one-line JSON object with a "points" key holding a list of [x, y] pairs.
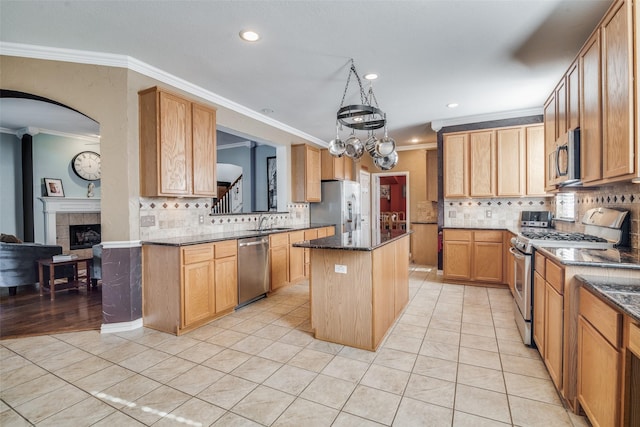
{"points": [[554, 274], [634, 338], [487, 236], [197, 253], [226, 248], [311, 234], [460, 235], [279, 239], [540, 265], [604, 318]]}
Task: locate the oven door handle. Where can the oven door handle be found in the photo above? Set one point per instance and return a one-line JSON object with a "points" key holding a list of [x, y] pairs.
{"points": [[516, 253]]}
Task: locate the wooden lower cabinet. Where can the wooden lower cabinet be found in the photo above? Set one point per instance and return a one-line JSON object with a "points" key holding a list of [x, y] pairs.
{"points": [[296, 257], [539, 292], [279, 259], [424, 244], [474, 256], [186, 287], [599, 360], [553, 333]]}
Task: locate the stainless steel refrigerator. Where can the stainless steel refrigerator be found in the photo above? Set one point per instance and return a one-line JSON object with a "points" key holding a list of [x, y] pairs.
{"points": [[340, 206]]}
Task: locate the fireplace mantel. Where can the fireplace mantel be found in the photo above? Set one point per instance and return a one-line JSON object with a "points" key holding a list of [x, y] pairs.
{"points": [[53, 205]]}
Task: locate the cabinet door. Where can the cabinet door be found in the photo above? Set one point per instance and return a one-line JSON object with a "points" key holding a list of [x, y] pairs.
{"points": [[487, 262], [432, 175], [198, 292], [482, 164], [279, 266], [591, 106], [296, 257], [539, 295], [401, 276], [549, 141], [204, 151], [331, 167], [511, 162], [561, 108], [573, 96], [617, 105], [424, 244], [348, 168], [175, 145], [535, 161], [554, 325], [598, 370], [313, 163], [457, 260], [226, 283], [456, 165]]}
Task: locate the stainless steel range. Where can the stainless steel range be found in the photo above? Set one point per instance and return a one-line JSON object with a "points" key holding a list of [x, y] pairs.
{"points": [[604, 229]]}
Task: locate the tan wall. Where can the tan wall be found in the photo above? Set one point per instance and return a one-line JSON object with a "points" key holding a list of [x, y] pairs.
{"points": [[109, 95]]}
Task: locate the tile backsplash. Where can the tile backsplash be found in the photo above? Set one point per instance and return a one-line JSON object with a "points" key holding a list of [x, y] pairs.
{"points": [[491, 213], [621, 196], [172, 217]]}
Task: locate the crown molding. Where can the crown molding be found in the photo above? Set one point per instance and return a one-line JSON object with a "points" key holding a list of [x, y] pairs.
{"points": [[133, 64], [20, 132], [436, 125]]}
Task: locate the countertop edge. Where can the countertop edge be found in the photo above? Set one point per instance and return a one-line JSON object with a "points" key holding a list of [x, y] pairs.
{"points": [[231, 235], [593, 283]]}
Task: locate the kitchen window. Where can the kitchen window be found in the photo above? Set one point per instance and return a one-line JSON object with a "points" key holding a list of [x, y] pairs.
{"points": [[565, 207]]}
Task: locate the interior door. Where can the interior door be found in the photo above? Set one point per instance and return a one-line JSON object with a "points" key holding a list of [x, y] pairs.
{"points": [[365, 200], [376, 211]]}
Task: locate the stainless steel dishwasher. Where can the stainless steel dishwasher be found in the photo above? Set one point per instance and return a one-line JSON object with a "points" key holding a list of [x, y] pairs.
{"points": [[254, 279]]}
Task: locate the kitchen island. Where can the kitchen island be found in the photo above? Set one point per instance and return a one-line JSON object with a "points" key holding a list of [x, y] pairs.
{"points": [[359, 285]]}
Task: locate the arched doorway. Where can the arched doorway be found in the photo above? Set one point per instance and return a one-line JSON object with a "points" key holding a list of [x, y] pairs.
{"points": [[39, 141]]}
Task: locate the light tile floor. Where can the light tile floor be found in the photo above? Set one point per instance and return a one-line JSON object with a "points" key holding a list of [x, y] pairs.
{"points": [[453, 358]]}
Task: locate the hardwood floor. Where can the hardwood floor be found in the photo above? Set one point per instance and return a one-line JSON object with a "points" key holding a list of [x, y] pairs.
{"points": [[29, 314]]}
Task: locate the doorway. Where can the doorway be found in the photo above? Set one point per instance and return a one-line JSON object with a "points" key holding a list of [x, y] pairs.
{"points": [[41, 138], [390, 201]]}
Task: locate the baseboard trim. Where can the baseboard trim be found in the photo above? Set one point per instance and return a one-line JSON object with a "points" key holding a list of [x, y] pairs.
{"points": [[110, 328]]}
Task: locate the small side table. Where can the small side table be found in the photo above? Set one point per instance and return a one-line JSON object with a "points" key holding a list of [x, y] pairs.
{"points": [[48, 262]]}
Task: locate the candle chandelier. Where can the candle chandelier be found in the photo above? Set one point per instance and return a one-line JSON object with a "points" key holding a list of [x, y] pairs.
{"points": [[368, 117]]}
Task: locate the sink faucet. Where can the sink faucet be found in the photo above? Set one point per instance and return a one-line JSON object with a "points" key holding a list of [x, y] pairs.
{"points": [[262, 221]]}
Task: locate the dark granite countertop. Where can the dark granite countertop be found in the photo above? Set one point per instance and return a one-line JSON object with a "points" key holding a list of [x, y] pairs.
{"points": [[355, 241], [425, 222], [622, 293], [605, 258], [227, 235]]}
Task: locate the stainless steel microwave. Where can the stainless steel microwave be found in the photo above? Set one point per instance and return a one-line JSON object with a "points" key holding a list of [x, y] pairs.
{"points": [[564, 162]]}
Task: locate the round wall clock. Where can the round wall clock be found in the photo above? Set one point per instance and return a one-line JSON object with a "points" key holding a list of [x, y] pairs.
{"points": [[87, 165]]}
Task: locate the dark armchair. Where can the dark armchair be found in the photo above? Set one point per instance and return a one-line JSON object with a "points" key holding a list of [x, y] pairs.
{"points": [[18, 264]]}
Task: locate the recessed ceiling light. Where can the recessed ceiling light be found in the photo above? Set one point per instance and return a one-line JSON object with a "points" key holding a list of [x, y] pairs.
{"points": [[371, 76], [452, 105], [357, 119], [414, 140], [249, 36]]}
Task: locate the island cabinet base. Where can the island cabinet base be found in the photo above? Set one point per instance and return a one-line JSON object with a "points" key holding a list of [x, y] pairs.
{"points": [[357, 295]]}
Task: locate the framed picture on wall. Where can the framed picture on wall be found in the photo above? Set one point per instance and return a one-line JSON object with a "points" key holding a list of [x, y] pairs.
{"points": [[53, 187], [385, 191], [272, 192]]}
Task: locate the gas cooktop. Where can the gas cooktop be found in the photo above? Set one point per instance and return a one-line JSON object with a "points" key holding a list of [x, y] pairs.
{"points": [[561, 236]]}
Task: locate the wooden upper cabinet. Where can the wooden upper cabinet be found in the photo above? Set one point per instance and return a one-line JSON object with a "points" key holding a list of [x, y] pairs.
{"points": [[510, 145], [573, 96], [535, 182], [456, 165], [618, 100], [591, 108], [550, 132], [335, 168], [204, 150], [561, 108], [482, 160], [177, 146], [432, 175], [305, 173]]}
